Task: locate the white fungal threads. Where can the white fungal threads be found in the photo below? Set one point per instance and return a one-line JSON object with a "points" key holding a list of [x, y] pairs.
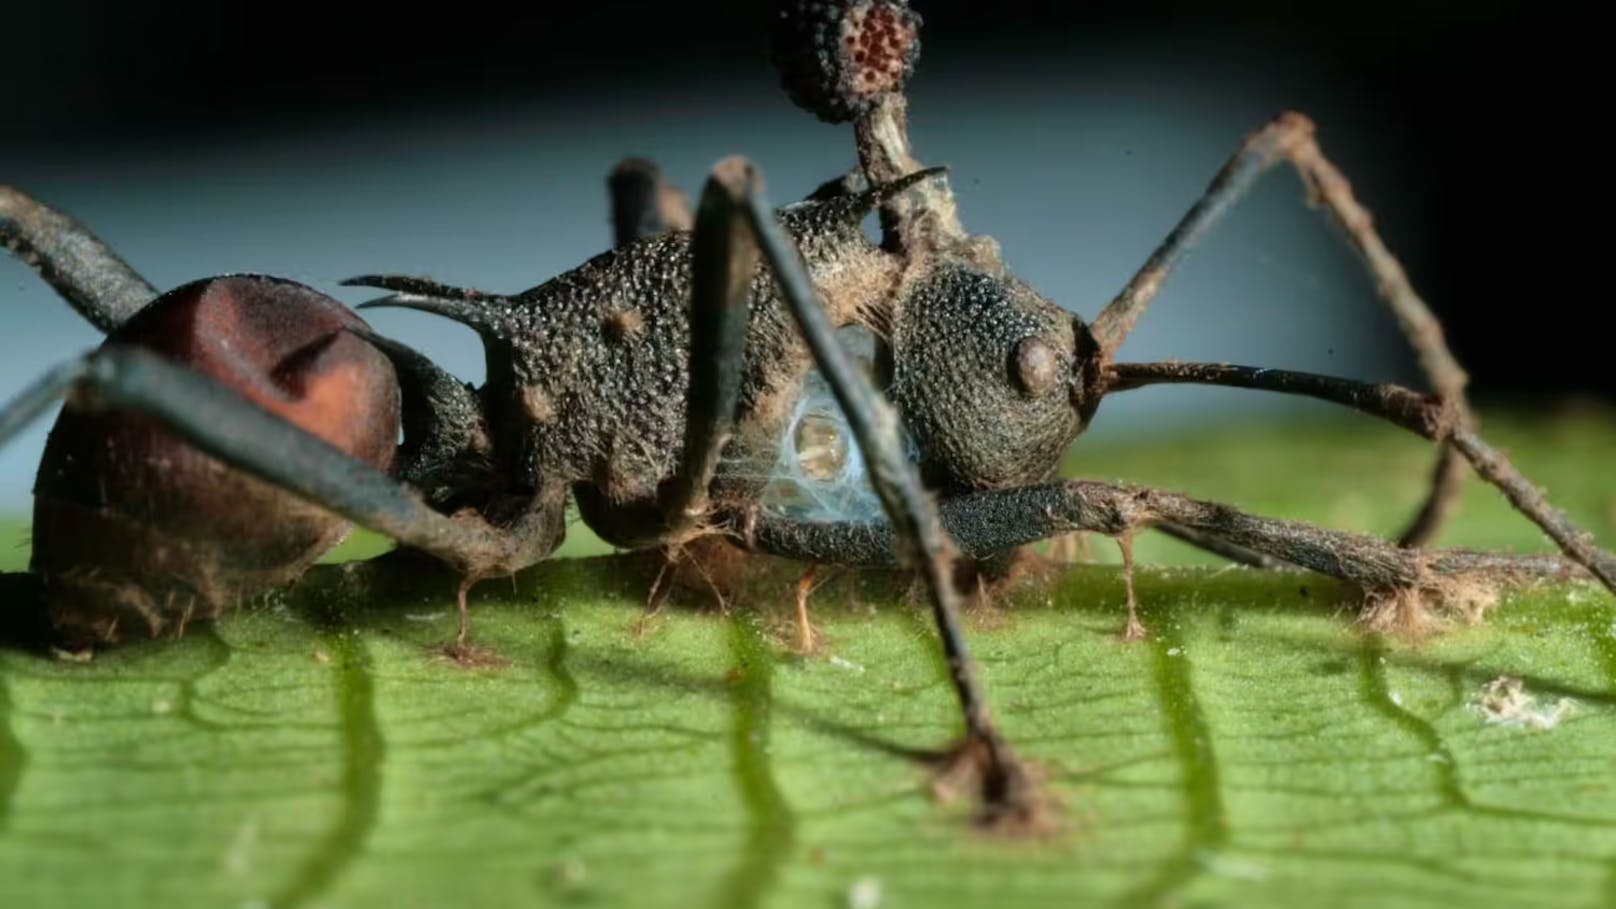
{"points": [[819, 472]]}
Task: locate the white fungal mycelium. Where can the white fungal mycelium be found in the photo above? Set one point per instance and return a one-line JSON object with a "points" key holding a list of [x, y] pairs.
{"points": [[819, 472]]}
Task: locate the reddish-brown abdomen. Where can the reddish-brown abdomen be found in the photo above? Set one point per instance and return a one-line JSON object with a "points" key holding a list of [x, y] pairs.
{"points": [[136, 531]]}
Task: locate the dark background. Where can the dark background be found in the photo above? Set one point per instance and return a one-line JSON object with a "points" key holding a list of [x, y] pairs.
{"points": [[1491, 106], [317, 141]]}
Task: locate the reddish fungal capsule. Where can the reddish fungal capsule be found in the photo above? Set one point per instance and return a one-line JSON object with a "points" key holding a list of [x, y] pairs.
{"points": [[136, 531], [837, 59]]}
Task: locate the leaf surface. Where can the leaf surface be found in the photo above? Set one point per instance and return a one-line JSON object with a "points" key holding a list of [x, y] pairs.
{"points": [[1258, 750]]}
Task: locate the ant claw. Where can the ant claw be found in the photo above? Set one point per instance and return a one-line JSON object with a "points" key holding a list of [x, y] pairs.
{"points": [[471, 656], [1134, 630], [1012, 799]]}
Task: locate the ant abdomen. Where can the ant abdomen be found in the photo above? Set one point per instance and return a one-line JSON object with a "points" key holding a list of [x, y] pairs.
{"points": [[136, 531]]}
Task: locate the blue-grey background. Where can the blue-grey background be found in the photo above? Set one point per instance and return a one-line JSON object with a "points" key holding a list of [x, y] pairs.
{"points": [[318, 144]]}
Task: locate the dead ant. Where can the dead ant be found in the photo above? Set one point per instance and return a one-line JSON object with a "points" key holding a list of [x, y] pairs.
{"points": [[637, 382]]}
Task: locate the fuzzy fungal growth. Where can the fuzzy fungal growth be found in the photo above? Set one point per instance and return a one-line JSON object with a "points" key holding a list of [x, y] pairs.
{"points": [[837, 59]]}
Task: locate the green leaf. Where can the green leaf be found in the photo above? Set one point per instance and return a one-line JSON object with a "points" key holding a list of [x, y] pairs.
{"points": [[1258, 750]]}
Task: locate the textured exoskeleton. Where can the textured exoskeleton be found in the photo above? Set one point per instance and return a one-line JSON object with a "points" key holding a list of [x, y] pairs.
{"points": [[650, 383]]}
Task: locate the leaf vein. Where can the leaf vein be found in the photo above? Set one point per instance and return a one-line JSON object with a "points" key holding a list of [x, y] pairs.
{"points": [[772, 825], [361, 775]]}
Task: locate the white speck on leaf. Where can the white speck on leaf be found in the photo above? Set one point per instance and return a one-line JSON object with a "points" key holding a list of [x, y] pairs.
{"points": [[1226, 866], [864, 893], [73, 656], [840, 663], [572, 874], [238, 858], [1504, 701]]}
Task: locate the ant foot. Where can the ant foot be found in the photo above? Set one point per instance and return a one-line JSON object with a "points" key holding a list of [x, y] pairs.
{"points": [[1012, 800], [1134, 630], [809, 641], [471, 656]]}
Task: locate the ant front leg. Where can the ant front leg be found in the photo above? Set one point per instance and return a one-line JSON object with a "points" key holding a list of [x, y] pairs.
{"points": [[1402, 407], [98, 283], [1008, 793], [993, 521], [240, 433], [1290, 137]]}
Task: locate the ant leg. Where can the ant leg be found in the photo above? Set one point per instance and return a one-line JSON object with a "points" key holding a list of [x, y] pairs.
{"points": [[997, 520], [227, 426], [1134, 630], [723, 262], [1431, 418], [805, 629], [535, 532], [1290, 137], [1224, 548], [643, 203], [1006, 787], [98, 284], [445, 432]]}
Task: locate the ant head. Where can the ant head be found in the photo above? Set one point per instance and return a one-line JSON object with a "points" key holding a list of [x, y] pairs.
{"points": [[994, 380]]}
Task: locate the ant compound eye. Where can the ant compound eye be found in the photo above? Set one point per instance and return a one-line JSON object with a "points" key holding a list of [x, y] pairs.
{"points": [[1037, 367], [836, 59]]}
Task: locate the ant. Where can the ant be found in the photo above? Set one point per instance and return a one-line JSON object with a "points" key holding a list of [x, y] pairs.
{"points": [[228, 430]]}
